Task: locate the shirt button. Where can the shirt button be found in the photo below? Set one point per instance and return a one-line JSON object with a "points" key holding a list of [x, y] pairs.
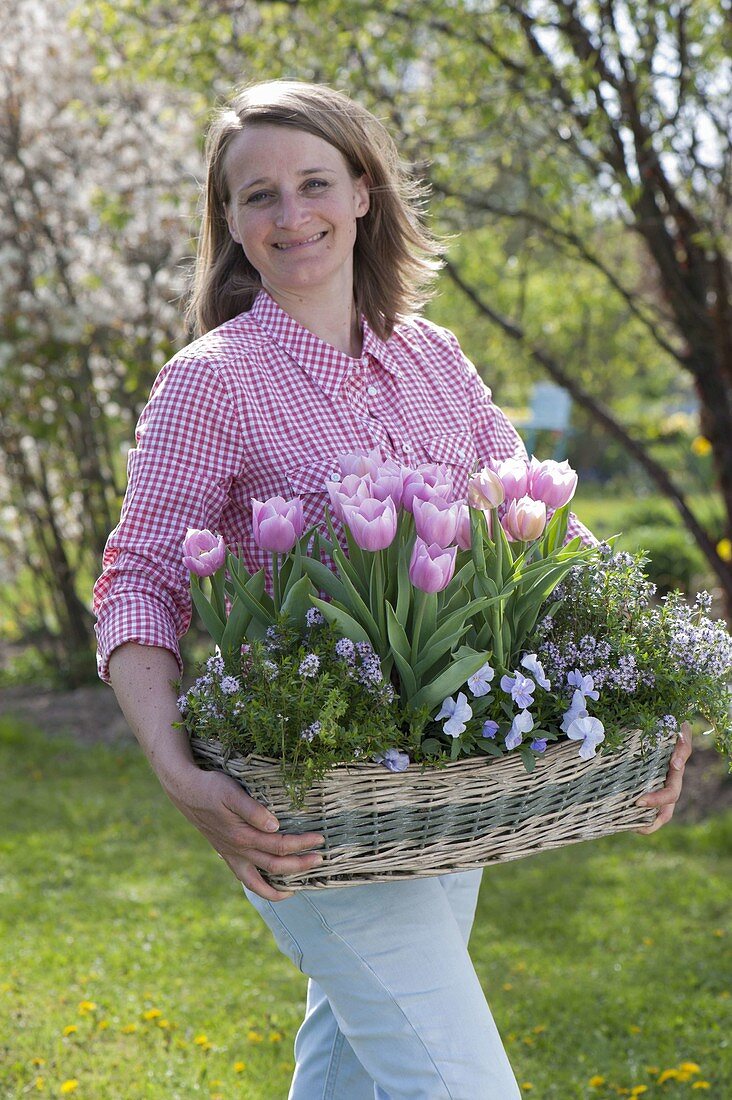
{"points": [[335, 476], [372, 390], [406, 447]]}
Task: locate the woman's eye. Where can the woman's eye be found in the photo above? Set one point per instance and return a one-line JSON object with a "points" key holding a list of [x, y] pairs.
{"points": [[258, 196], [316, 185]]}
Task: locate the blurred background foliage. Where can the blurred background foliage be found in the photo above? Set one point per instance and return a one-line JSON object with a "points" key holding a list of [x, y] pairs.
{"points": [[579, 160]]}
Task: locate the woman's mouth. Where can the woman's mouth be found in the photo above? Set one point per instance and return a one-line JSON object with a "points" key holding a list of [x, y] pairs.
{"points": [[286, 246]]}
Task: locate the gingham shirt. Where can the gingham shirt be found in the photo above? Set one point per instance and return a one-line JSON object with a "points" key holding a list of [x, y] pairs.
{"points": [[260, 407]]}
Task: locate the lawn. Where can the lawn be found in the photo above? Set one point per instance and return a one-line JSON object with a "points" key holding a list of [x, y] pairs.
{"points": [[132, 966]]}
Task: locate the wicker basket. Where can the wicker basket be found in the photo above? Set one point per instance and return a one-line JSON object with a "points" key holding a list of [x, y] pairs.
{"points": [[380, 826]]}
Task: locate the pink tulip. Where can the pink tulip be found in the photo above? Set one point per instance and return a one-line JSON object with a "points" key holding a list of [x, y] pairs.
{"points": [[203, 552], [372, 523], [462, 535], [389, 481], [360, 464], [525, 519], [485, 490], [514, 474], [425, 482], [431, 567], [553, 482], [277, 523], [436, 519], [352, 490]]}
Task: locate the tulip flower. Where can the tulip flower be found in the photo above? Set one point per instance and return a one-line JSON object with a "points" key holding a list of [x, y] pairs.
{"points": [[431, 567], [388, 481], [372, 522], [360, 464], [203, 552], [426, 481], [277, 523], [463, 536], [525, 519], [552, 482], [436, 520], [352, 490], [485, 490], [514, 475]]}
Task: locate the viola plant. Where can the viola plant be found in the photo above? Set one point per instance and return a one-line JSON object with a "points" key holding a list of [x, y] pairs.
{"points": [[462, 606]]}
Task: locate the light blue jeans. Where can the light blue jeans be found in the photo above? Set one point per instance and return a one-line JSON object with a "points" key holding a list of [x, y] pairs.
{"points": [[395, 1010]]}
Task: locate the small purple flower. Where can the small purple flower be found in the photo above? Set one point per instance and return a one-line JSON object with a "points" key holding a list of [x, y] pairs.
{"points": [[346, 650], [521, 724], [539, 744], [311, 732], [215, 665], [490, 728], [183, 704], [584, 684], [394, 760], [270, 669], [480, 682], [309, 665], [520, 688], [230, 685], [457, 711], [590, 731], [532, 664], [577, 709], [313, 617]]}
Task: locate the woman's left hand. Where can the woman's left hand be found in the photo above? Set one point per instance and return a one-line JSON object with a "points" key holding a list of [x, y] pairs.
{"points": [[665, 799]]}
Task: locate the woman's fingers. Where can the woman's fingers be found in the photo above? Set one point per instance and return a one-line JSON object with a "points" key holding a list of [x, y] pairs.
{"points": [[665, 800]]}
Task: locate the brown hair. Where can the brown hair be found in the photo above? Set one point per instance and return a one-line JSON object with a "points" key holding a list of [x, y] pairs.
{"points": [[395, 257]]}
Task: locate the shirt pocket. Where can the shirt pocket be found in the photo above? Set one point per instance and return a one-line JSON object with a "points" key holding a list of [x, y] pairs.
{"points": [[456, 451], [309, 483]]}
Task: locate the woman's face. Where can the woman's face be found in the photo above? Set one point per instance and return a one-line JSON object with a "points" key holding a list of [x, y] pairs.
{"points": [[293, 208]]}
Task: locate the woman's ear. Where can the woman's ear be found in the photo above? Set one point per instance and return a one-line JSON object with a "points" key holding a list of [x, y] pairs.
{"points": [[231, 224], [362, 194]]}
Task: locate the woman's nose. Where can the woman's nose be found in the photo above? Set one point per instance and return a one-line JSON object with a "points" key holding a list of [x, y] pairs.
{"points": [[290, 212]]}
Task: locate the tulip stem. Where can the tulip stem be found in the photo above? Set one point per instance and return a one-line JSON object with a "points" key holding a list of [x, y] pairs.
{"points": [[217, 592], [276, 582], [420, 602]]}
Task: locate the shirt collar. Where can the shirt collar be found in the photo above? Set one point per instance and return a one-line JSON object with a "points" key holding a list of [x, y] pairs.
{"points": [[326, 365]]}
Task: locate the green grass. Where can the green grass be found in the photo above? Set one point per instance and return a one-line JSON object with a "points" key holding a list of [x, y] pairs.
{"points": [[600, 960]]}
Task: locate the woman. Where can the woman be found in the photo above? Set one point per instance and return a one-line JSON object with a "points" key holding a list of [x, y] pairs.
{"points": [[311, 267]]}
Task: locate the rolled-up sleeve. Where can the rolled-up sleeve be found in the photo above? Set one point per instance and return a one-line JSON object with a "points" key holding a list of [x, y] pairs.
{"points": [[496, 438], [188, 450]]}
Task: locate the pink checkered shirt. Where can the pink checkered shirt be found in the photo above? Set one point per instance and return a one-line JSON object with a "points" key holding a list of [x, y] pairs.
{"points": [[259, 407]]}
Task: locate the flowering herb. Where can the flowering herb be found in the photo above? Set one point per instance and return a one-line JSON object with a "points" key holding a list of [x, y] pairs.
{"points": [[306, 699]]}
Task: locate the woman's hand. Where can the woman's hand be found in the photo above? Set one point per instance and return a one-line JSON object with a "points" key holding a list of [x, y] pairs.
{"points": [[240, 829], [668, 796]]}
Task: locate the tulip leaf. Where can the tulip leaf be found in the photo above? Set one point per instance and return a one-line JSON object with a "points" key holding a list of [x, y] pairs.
{"points": [[236, 629], [400, 649], [477, 539], [449, 631], [209, 618], [356, 605], [325, 579], [404, 591], [347, 625], [447, 682], [262, 611], [297, 601]]}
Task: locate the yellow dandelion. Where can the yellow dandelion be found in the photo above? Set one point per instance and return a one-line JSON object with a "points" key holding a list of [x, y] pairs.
{"points": [[638, 1090], [596, 1082], [689, 1067], [668, 1075], [164, 1023], [85, 1007], [648, 942], [70, 1029], [701, 445], [103, 1025], [507, 986], [528, 1040], [719, 932], [684, 1075], [724, 549], [539, 1028], [526, 1086], [634, 1029], [701, 1085], [254, 1037], [275, 1037], [69, 1086], [239, 1067], [128, 1029], [39, 1061], [216, 1084], [201, 1040], [39, 1083], [151, 1014]]}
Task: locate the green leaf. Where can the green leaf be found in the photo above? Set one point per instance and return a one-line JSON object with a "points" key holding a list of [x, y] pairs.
{"points": [[235, 631], [324, 578], [447, 682], [347, 625], [263, 611], [528, 757], [298, 600], [209, 618]]}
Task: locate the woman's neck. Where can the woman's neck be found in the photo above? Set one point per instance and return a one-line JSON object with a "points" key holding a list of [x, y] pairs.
{"points": [[337, 323]]}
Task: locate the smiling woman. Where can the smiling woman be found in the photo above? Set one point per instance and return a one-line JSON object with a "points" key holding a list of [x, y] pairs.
{"points": [[312, 267]]}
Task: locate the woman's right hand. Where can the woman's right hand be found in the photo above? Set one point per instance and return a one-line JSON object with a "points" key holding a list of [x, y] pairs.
{"points": [[241, 830]]}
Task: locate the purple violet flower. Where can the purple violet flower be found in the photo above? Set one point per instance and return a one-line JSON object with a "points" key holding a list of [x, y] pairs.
{"points": [[490, 728], [392, 759], [520, 688]]}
